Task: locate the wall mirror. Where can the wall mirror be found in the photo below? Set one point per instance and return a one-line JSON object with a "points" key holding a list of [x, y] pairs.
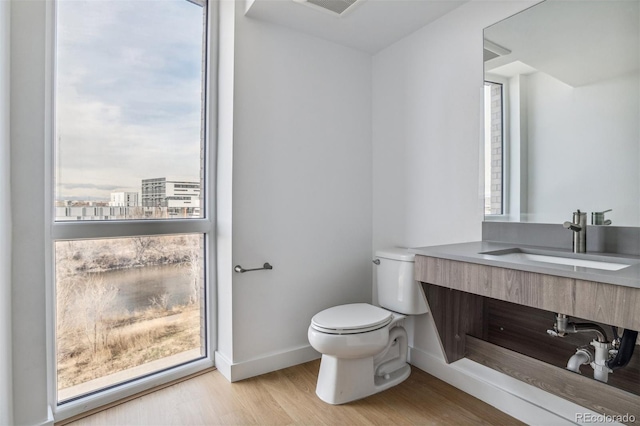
{"points": [[562, 113]]}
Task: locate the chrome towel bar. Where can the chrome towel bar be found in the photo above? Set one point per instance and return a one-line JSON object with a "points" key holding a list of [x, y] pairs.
{"points": [[240, 269]]}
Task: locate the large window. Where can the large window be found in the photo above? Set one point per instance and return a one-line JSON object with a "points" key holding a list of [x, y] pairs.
{"points": [[130, 220], [493, 149]]}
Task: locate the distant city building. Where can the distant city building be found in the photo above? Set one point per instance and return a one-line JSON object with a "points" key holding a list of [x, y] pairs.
{"points": [[170, 195], [92, 210], [124, 199], [161, 198], [87, 212]]}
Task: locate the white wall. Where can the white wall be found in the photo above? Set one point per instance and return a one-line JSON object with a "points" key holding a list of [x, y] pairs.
{"points": [[427, 118], [603, 146], [517, 184], [427, 129], [427, 103], [301, 190], [426, 135], [6, 378], [27, 206]]}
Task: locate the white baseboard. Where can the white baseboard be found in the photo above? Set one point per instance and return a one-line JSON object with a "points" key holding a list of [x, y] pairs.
{"points": [[526, 403], [223, 365], [266, 364]]}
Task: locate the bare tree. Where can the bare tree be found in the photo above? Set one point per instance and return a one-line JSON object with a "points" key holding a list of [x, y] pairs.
{"points": [[141, 245], [193, 266], [66, 286], [93, 300], [161, 301]]}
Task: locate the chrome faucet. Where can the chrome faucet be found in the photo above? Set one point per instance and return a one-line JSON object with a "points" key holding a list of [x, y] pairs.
{"points": [[579, 228], [597, 218]]}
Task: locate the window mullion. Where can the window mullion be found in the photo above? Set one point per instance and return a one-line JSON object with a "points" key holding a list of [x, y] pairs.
{"points": [[95, 229]]}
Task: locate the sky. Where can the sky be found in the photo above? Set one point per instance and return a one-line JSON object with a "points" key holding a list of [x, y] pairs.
{"points": [[128, 94]]}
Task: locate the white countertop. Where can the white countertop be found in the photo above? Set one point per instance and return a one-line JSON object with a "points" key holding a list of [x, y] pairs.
{"points": [[475, 252]]}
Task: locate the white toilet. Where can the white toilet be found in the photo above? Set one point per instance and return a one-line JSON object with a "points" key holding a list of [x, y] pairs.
{"points": [[364, 347]]}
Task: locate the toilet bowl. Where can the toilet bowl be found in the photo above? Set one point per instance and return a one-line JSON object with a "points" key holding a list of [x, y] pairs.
{"points": [[353, 364], [364, 347]]}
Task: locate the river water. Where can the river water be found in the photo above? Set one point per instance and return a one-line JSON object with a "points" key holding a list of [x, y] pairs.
{"points": [[136, 286]]}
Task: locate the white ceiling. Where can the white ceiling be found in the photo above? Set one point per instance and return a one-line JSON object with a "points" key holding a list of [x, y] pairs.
{"points": [[370, 25], [577, 42]]}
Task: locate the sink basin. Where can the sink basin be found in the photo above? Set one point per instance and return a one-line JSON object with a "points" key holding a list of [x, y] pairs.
{"points": [[518, 255]]}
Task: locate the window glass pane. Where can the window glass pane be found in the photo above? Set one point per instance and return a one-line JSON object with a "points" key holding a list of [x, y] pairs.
{"points": [[127, 307], [129, 109], [493, 149]]}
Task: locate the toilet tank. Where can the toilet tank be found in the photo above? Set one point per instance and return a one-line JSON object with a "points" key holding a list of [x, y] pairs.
{"points": [[397, 290]]}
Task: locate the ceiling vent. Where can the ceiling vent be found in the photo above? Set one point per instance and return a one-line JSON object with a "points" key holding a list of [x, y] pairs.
{"points": [[335, 7]]}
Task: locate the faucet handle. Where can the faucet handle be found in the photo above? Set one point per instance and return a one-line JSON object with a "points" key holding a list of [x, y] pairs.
{"points": [[573, 226]]}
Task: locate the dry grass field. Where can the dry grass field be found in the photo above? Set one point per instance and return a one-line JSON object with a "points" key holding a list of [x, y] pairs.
{"points": [[95, 335], [133, 341]]}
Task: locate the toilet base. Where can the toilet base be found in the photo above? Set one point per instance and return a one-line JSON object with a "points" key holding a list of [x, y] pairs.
{"points": [[345, 380]]}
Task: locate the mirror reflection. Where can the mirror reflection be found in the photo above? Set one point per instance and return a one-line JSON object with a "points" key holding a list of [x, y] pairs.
{"points": [[562, 113]]}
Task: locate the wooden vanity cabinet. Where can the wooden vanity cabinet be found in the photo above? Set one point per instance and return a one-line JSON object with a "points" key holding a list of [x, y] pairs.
{"points": [[498, 317]]}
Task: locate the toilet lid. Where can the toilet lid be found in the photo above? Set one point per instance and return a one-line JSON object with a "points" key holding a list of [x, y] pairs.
{"points": [[351, 319]]}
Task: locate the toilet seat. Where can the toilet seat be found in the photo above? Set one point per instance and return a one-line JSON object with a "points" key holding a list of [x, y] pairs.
{"points": [[351, 319]]}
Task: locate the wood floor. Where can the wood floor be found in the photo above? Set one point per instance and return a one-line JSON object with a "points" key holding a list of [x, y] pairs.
{"points": [[287, 397]]}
